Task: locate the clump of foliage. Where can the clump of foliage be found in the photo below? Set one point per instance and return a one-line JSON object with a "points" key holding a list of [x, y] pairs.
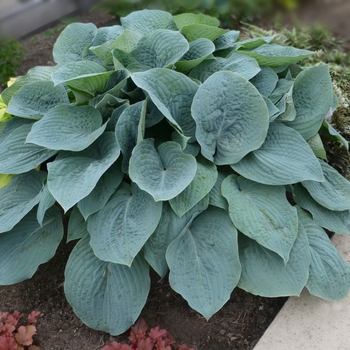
{"points": [[14, 336], [175, 145], [154, 339], [11, 53]]}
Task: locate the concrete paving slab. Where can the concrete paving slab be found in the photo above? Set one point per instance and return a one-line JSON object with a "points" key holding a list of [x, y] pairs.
{"points": [[310, 323]]}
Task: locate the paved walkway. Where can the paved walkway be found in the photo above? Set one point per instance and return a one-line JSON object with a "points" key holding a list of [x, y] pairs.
{"points": [[310, 323]]}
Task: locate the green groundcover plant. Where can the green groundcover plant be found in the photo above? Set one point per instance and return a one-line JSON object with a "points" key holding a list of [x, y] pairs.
{"points": [[172, 144]]}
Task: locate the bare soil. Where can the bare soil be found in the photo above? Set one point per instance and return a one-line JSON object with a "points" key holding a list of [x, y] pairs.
{"points": [[240, 323]]}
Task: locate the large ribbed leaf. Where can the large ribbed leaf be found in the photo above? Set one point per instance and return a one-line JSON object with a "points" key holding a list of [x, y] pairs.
{"points": [[29, 245], [265, 273], [169, 228], [329, 276], [199, 50], [16, 155], [313, 97], [77, 226], [200, 186], [85, 87], [73, 70], [73, 175], [262, 213], [245, 66], [277, 55], [231, 116], [121, 228], [162, 172], [32, 101], [160, 48], [195, 31], [335, 221], [127, 41], [105, 187], [67, 127], [333, 193], [215, 196], [265, 81], [186, 19], [146, 21], [73, 43], [45, 203], [106, 296], [284, 158], [40, 73], [204, 263], [172, 93], [19, 197]]}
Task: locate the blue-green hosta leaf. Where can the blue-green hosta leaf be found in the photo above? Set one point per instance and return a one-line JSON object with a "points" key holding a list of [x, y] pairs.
{"points": [[335, 221], [19, 197], [333, 193], [169, 228], [313, 97], [273, 110], [126, 131], [45, 203], [200, 186], [231, 116], [284, 158], [172, 92], [121, 228], [316, 144], [252, 43], [215, 196], [85, 87], [16, 155], [331, 134], [147, 21], [73, 70], [265, 81], [273, 55], [40, 73], [186, 19], [67, 127], [73, 175], [204, 263], [262, 213], [29, 245], [106, 104], [108, 33], [282, 87], [163, 173], [287, 108], [329, 275], [195, 31], [160, 48], [199, 50], [226, 40], [33, 100], [105, 187], [245, 66], [265, 273], [74, 42], [105, 296], [77, 226], [127, 41]]}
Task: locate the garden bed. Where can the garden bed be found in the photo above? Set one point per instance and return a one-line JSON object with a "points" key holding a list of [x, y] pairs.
{"points": [[238, 325]]}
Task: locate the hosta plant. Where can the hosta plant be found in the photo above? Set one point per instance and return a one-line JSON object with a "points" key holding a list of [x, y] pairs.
{"points": [[172, 144]]}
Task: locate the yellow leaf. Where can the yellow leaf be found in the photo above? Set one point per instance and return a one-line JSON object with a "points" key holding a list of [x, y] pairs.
{"points": [[5, 179]]}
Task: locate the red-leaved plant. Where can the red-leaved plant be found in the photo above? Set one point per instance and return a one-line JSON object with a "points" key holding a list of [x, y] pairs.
{"points": [[15, 337], [156, 339]]}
